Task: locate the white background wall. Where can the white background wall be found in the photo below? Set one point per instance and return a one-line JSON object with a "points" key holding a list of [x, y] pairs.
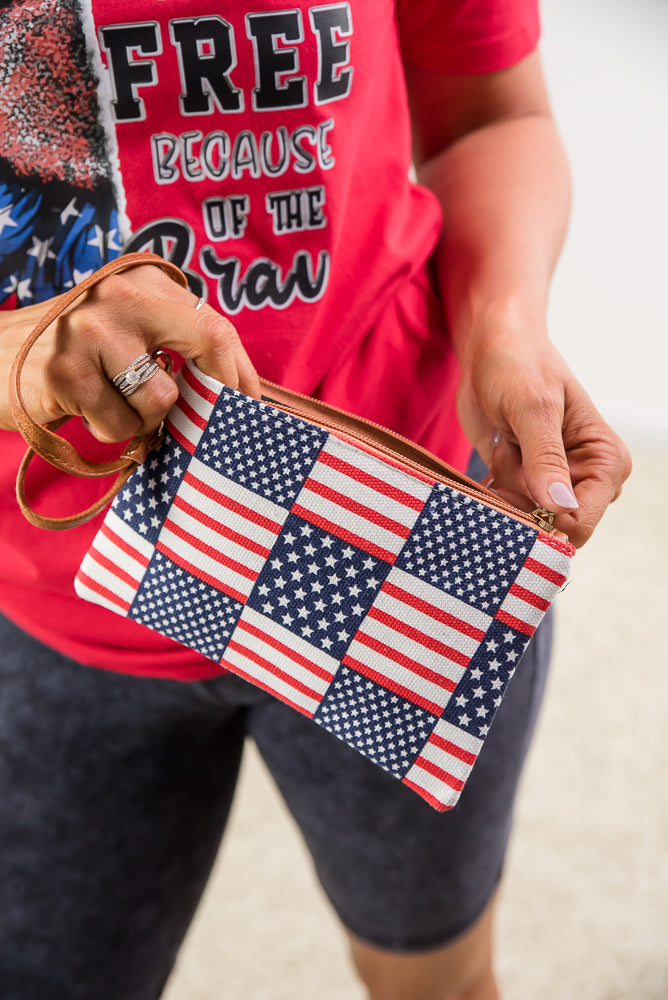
{"points": [[607, 67]]}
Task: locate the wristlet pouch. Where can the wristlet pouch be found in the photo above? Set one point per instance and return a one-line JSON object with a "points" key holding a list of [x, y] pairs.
{"points": [[335, 565]]}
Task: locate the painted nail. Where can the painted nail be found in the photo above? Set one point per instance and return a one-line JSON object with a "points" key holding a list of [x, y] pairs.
{"points": [[563, 495]]}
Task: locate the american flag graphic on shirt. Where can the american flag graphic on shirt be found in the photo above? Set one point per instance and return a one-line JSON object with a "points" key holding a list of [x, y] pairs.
{"points": [[389, 608]]}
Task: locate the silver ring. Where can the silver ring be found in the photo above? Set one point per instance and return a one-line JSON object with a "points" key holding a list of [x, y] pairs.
{"points": [[141, 370], [200, 303]]}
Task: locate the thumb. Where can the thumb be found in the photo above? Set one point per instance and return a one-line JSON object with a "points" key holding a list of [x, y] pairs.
{"points": [[546, 471]]}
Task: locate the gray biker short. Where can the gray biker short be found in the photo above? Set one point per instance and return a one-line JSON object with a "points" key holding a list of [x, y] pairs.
{"points": [[114, 792]]}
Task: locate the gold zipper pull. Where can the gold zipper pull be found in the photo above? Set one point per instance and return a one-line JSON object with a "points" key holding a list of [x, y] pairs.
{"points": [[545, 519]]}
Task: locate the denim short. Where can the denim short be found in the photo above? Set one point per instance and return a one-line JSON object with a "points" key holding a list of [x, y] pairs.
{"points": [[115, 790]]}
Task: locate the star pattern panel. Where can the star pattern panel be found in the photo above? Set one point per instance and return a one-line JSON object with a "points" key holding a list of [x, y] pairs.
{"points": [[263, 450], [179, 605], [478, 695], [144, 501], [463, 547], [378, 723], [317, 586]]}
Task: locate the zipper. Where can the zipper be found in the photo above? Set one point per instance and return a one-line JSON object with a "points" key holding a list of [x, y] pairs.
{"points": [[539, 518]]}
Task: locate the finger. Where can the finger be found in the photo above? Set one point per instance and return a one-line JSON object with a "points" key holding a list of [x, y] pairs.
{"points": [[105, 412], [111, 416], [487, 443], [109, 422], [152, 396], [506, 469], [507, 480], [598, 468], [218, 351], [145, 300], [82, 378], [544, 463]]}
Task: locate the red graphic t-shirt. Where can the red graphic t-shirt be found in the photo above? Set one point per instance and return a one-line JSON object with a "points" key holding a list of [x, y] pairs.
{"points": [[265, 149]]}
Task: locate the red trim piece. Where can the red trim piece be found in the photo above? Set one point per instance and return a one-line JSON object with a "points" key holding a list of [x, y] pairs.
{"points": [[402, 530], [565, 548], [432, 611], [390, 685], [379, 485], [406, 661], [280, 647], [347, 536], [102, 591], [200, 575], [427, 796]]}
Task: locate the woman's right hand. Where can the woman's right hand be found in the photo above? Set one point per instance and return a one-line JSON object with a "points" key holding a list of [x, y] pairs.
{"points": [[69, 370]]}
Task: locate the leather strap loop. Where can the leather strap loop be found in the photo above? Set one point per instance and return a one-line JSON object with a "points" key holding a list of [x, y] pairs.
{"points": [[70, 520], [42, 439]]}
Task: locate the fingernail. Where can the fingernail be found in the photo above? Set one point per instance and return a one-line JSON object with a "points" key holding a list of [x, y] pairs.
{"points": [[563, 495], [496, 438]]}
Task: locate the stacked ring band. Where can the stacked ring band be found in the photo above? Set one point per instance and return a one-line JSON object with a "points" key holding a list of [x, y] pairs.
{"points": [[139, 371]]}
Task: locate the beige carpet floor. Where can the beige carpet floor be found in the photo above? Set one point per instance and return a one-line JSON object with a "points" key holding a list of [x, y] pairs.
{"points": [[584, 906]]}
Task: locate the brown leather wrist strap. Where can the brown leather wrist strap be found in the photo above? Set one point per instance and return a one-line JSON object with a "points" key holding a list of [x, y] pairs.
{"points": [[42, 439]]}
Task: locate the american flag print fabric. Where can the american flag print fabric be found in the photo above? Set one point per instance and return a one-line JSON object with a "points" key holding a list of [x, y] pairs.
{"points": [[388, 607]]}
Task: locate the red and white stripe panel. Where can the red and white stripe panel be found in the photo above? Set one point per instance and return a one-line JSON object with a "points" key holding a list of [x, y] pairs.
{"points": [[544, 573], [114, 566], [402, 659], [220, 532], [443, 765], [188, 418], [263, 652], [549, 561], [422, 637], [416, 641], [354, 495]]}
